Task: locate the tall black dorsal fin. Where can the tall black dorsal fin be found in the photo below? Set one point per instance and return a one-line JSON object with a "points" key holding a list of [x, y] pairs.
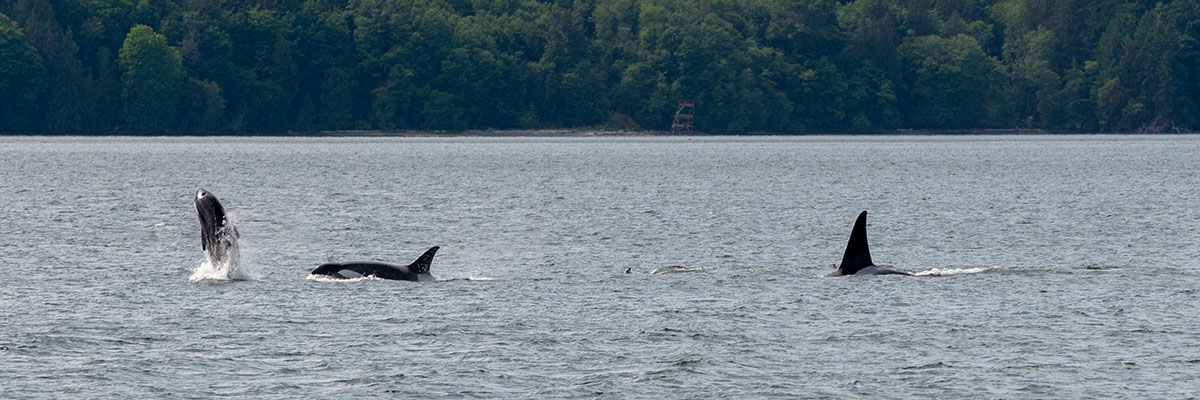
{"points": [[421, 266], [857, 256]]}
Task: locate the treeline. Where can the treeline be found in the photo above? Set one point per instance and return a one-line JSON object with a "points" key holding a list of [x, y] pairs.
{"points": [[228, 66]]}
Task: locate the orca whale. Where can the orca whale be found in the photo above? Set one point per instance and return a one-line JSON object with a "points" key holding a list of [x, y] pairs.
{"points": [[218, 237], [417, 271], [857, 260]]}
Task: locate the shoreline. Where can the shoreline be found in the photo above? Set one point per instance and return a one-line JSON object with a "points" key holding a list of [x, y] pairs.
{"points": [[596, 133]]}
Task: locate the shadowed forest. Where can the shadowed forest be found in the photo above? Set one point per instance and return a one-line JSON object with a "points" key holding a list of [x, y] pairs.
{"points": [[783, 66]]}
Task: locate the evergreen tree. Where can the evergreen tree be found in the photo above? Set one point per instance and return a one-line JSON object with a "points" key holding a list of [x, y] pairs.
{"points": [[749, 65], [22, 79], [152, 80]]}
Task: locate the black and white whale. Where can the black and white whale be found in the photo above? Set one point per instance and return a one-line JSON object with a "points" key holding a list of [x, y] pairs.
{"points": [[857, 260], [417, 271], [218, 237]]}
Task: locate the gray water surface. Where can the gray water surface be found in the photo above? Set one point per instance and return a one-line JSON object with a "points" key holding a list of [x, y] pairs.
{"points": [[1055, 267]]}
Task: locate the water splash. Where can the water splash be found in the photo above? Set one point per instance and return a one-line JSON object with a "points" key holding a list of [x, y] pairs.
{"points": [[327, 278], [223, 263]]}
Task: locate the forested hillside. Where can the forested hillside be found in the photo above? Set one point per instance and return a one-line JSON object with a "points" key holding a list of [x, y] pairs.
{"points": [[230, 66]]}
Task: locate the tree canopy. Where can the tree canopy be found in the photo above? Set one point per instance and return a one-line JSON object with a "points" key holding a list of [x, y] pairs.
{"points": [[22, 78], [152, 77], [783, 66]]}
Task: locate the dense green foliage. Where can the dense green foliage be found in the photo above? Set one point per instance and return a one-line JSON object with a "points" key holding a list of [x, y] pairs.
{"points": [[22, 77], [749, 65], [152, 74]]}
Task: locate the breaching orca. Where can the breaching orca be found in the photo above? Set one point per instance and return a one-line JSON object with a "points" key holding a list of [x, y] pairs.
{"points": [[857, 260], [218, 237], [417, 271]]}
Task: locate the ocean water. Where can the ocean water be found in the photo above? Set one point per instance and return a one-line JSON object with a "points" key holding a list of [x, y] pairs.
{"points": [[1048, 267]]}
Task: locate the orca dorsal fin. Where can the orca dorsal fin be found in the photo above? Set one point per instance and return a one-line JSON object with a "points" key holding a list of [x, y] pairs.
{"points": [[421, 266], [857, 256]]}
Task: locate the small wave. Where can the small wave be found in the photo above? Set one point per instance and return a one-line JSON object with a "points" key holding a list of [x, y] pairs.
{"points": [[1099, 268], [935, 365], [475, 278], [955, 271], [467, 279], [677, 269]]}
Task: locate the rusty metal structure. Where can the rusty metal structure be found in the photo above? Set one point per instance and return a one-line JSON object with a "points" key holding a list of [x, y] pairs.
{"points": [[684, 115]]}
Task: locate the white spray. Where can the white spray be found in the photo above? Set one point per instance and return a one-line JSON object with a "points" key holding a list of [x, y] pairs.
{"points": [[222, 262]]}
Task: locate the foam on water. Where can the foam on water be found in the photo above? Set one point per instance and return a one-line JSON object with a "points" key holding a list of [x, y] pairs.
{"points": [[955, 271], [469, 278], [208, 271], [226, 267], [230, 269], [327, 278]]}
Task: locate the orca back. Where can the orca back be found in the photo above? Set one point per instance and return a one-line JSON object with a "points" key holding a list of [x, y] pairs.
{"points": [[417, 271], [366, 269], [858, 255]]}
